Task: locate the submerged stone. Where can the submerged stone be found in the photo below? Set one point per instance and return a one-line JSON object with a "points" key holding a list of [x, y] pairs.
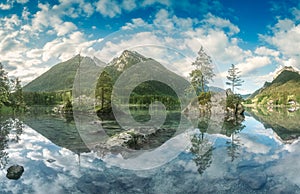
{"points": [[15, 172], [51, 160], [254, 178]]}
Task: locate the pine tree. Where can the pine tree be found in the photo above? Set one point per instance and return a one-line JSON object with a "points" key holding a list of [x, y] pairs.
{"points": [[196, 76], [234, 77], [104, 90], [203, 63]]}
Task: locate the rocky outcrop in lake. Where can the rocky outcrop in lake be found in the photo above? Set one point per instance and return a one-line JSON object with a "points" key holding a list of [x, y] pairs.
{"points": [[15, 172]]}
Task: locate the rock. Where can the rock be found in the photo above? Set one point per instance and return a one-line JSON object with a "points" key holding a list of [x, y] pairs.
{"points": [[247, 164], [51, 160], [240, 109], [282, 188], [254, 178], [15, 172], [228, 92]]}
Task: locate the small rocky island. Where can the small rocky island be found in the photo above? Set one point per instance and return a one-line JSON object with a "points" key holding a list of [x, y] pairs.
{"points": [[15, 172]]}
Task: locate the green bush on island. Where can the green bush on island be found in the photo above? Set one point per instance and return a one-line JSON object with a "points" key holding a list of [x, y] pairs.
{"points": [[204, 98], [233, 100]]}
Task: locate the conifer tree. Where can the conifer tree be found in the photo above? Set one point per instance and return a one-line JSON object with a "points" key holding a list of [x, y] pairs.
{"points": [[234, 77], [203, 64]]}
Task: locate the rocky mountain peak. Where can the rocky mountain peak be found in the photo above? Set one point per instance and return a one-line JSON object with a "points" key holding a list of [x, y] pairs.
{"points": [[286, 68], [127, 59]]}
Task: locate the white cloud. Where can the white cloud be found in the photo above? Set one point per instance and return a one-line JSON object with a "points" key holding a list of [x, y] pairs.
{"points": [[5, 6], [54, 17], [151, 2], [296, 13], [88, 9], [25, 14], [108, 8], [22, 1], [129, 5], [285, 38], [113, 48], [65, 48], [264, 51], [64, 28], [136, 22], [253, 63], [214, 21], [34, 53], [162, 19], [9, 23]]}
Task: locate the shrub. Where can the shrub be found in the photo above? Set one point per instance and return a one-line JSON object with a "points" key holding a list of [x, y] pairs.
{"points": [[232, 100], [204, 98]]}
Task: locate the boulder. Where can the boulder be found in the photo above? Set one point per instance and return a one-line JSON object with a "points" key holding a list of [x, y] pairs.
{"points": [[15, 172], [229, 92], [51, 160], [240, 109], [254, 178]]}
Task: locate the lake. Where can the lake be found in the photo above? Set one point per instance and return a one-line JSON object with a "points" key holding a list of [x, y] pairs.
{"points": [[259, 154]]}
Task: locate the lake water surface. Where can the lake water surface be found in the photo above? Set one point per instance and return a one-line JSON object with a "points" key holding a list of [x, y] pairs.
{"points": [[258, 155]]}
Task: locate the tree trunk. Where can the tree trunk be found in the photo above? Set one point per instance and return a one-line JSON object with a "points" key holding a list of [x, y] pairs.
{"points": [[202, 84], [102, 97]]}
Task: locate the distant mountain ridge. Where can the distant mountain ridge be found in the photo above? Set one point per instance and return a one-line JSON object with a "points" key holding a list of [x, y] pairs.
{"points": [[61, 76], [284, 88]]}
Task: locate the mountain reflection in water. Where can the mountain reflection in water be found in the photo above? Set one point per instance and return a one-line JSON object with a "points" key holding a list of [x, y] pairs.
{"points": [[255, 155]]}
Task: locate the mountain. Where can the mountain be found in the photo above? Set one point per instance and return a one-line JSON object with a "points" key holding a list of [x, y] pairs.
{"points": [[119, 64], [142, 79], [245, 96], [146, 78], [61, 76], [216, 89], [143, 68], [283, 122], [284, 88]]}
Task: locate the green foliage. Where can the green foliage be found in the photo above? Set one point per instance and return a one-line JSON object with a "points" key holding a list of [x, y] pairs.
{"points": [[104, 90], [204, 98], [45, 98], [204, 70], [10, 132], [233, 126], [4, 87], [202, 150], [248, 101], [16, 98], [11, 95], [197, 80], [68, 107], [286, 84], [59, 77], [233, 100], [151, 91]]}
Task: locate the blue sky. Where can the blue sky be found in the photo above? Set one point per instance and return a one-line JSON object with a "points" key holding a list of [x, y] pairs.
{"points": [[260, 37]]}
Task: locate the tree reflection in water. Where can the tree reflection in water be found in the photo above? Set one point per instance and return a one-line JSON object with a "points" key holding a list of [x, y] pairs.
{"points": [[10, 131], [232, 126], [201, 148]]}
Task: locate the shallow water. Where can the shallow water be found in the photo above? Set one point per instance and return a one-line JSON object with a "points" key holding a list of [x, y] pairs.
{"points": [[243, 157]]}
